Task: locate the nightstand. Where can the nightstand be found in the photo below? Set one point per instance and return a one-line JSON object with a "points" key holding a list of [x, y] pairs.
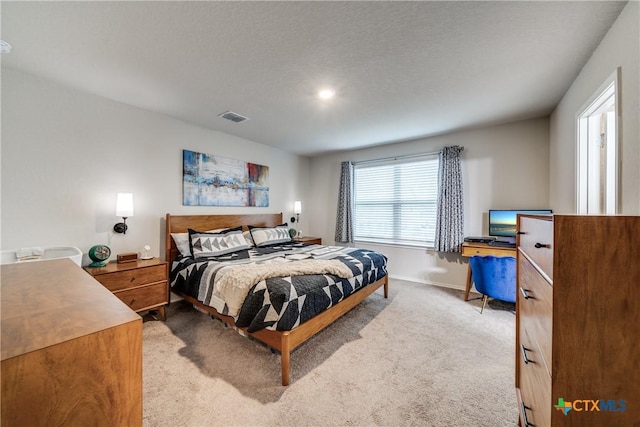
{"points": [[309, 240], [141, 284]]}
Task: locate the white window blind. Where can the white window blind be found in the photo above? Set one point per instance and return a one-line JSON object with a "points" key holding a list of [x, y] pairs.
{"points": [[395, 201]]}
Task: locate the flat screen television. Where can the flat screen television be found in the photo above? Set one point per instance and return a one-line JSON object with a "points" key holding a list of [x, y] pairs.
{"points": [[502, 223]]}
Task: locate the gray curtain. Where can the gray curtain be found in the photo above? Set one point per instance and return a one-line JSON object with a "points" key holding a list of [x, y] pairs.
{"points": [[450, 214], [344, 218]]}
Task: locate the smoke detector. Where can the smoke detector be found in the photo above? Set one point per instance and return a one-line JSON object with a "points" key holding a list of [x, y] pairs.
{"points": [[234, 117]]}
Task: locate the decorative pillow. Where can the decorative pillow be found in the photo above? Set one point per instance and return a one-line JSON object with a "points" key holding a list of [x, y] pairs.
{"points": [[215, 244], [182, 241], [248, 238], [270, 236]]}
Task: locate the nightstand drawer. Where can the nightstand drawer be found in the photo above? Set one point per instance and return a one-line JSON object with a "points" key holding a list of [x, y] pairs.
{"points": [[141, 285], [145, 296], [131, 278], [309, 240]]}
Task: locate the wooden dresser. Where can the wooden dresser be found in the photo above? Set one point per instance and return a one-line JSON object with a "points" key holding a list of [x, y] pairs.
{"points": [[141, 284], [578, 320], [71, 351]]}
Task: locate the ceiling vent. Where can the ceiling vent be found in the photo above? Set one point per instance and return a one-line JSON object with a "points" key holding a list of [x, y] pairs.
{"points": [[234, 117]]}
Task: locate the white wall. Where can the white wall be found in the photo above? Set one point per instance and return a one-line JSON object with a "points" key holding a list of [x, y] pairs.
{"points": [[504, 167], [619, 48], [65, 155]]}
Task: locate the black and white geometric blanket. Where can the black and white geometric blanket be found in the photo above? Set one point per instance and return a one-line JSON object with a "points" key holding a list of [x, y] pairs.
{"points": [[279, 303]]}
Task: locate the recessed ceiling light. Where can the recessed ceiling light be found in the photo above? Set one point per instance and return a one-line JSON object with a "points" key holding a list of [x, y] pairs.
{"points": [[5, 47], [326, 93]]}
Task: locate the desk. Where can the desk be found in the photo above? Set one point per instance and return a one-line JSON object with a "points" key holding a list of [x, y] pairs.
{"points": [[470, 249]]}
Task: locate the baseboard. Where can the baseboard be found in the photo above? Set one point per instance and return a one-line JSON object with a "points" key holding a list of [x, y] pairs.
{"points": [[424, 282]]}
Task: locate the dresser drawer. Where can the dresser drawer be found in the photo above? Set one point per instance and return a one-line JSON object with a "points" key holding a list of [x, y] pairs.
{"points": [[536, 240], [535, 308], [131, 278], [535, 384], [144, 297]]}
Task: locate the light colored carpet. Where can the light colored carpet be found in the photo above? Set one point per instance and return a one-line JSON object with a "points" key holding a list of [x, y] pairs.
{"points": [[422, 357]]}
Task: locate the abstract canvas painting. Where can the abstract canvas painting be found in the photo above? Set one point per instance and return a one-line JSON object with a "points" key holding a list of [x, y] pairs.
{"points": [[209, 180]]}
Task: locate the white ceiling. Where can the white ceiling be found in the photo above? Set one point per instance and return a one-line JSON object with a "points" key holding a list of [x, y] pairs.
{"points": [[401, 70]]}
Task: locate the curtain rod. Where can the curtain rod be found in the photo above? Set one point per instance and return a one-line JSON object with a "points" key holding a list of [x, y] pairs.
{"points": [[407, 156]]}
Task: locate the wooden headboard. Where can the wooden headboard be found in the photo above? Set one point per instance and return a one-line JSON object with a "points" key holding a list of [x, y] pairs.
{"points": [[181, 224]]}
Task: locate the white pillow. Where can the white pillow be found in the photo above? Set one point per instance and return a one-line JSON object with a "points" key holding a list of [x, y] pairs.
{"points": [[182, 241]]}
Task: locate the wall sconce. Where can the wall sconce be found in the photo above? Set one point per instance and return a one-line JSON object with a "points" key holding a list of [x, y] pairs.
{"points": [[124, 208], [297, 209]]}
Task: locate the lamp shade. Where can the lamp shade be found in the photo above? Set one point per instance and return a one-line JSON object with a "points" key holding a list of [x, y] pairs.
{"points": [[124, 205], [297, 207]]}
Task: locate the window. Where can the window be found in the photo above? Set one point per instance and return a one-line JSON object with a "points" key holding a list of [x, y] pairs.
{"points": [[597, 152], [395, 200]]}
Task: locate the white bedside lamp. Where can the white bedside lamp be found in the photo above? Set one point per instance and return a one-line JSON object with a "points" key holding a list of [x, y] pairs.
{"points": [[124, 209], [297, 209]]}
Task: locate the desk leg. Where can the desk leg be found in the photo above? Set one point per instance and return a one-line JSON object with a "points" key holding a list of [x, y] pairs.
{"points": [[469, 279]]}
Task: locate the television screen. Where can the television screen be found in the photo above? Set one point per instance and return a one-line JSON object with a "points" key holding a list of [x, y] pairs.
{"points": [[502, 223]]}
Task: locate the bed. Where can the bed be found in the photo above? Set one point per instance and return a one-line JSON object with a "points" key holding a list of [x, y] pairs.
{"points": [[283, 330]]}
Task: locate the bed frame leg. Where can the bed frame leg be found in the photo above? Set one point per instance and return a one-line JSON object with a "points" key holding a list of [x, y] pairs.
{"points": [[285, 358], [386, 286]]}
